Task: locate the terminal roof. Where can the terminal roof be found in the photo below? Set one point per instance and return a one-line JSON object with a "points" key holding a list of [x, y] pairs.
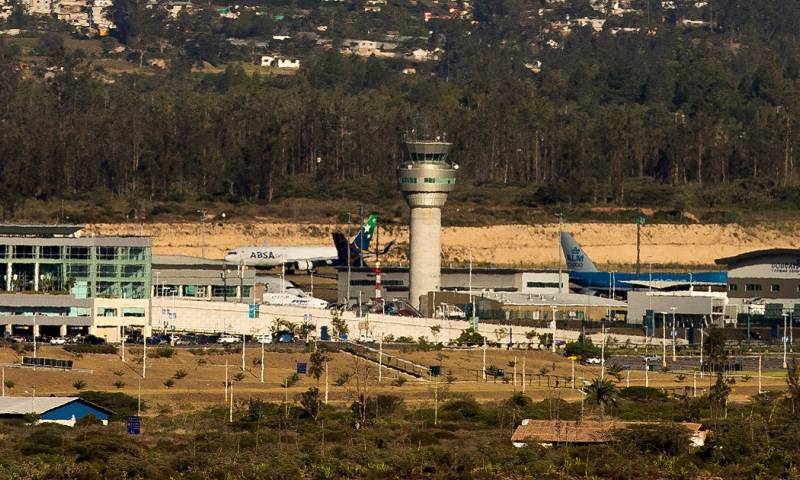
{"points": [[16, 230], [770, 252]]}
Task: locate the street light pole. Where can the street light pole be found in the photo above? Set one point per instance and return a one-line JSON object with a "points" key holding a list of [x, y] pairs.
{"points": [[663, 339], [244, 343], [203, 213], [349, 257], [262, 362], [674, 333], [785, 341]]}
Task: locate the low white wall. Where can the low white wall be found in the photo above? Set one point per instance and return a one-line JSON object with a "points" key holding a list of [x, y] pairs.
{"points": [[218, 317]]}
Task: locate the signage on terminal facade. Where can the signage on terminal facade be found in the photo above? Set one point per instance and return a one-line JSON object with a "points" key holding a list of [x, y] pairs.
{"points": [[786, 267]]}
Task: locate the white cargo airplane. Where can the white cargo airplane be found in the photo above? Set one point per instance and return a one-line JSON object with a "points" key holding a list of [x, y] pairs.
{"points": [[306, 258]]}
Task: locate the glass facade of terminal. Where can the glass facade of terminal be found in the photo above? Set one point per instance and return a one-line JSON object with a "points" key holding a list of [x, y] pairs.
{"points": [[84, 271]]}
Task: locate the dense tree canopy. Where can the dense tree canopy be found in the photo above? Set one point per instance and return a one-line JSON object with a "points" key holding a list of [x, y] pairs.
{"points": [[709, 106]]}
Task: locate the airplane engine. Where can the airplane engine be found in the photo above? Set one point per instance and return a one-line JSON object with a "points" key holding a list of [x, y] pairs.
{"points": [[303, 266]]}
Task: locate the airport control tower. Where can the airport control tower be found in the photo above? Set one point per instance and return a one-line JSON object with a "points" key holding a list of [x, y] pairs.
{"points": [[425, 178]]}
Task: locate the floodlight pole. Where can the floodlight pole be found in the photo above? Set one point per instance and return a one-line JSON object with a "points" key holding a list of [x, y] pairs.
{"points": [[759, 375], [349, 257], [785, 341], [262, 362], [673, 334], [326, 383], [573, 373], [484, 359], [701, 349], [244, 343], [380, 360], [515, 373], [144, 353], [603, 352], [663, 339]]}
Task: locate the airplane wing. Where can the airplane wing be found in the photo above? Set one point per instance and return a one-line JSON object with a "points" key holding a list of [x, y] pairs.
{"points": [[664, 284]]}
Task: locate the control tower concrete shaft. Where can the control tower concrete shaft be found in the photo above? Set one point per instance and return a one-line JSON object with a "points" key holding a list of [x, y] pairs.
{"points": [[425, 178]]}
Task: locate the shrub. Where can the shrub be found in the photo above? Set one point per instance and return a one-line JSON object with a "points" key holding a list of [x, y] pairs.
{"points": [[88, 348], [290, 380], [9, 383], [119, 384], [343, 378], [461, 408], [399, 381], [162, 352], [79, 384], [119, 373], [642, 394], [404, 340], [469, 337], [240, 376], [581, 349], [169, 383], [179, 374], [663, 439]]}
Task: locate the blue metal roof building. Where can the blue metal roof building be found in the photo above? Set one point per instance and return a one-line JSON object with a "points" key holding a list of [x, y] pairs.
{"points": [[61, 410]]}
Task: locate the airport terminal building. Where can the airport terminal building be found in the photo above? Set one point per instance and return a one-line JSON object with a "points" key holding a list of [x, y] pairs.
{"points": [[56, 281], [764, 276], [395, 281]]}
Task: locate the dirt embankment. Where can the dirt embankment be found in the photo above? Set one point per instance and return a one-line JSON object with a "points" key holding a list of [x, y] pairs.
{"points": [[504, 245]]}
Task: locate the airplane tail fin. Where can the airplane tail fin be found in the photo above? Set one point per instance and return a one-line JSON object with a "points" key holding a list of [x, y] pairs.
{"points": [[346, 251], [577, 260], [364, 236]]}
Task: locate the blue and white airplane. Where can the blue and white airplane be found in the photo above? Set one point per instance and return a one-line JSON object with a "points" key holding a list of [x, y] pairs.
{"points": [[583, 273]]}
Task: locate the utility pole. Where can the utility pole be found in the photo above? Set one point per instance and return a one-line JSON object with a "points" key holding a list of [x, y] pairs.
{"points": [[603, 352], [262, 362], [230, 411], [203, 214], [326, 383], [701, 349], [523, 374], [674, 334], [759, 375], [558, 247], [380, 360], [553, 324], [785, 341], [664, 339], [573, 373], [144, 354], [639, 223], [484, 359], [123, 343], [244, 344], [515, 373], [349, 257]]}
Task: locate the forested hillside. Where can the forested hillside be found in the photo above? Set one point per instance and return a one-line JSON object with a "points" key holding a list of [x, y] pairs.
{"points": [[716, 106]]}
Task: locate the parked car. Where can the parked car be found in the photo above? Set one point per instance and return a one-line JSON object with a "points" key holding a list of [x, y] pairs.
{"points": [[651, 358], [283, 337], [264, 339], [364, 338], [592, 361], [17, 339], [58, 341], [228, 339]]}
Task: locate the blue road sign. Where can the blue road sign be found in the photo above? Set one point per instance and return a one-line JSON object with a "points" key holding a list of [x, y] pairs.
{"points": [[134, 425]]}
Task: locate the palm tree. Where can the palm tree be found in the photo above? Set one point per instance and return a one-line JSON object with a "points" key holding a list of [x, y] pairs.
{"points": [[602, 391]]}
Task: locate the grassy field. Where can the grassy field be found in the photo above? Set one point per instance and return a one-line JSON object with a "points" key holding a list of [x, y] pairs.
{"points": [[203, 383]]}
